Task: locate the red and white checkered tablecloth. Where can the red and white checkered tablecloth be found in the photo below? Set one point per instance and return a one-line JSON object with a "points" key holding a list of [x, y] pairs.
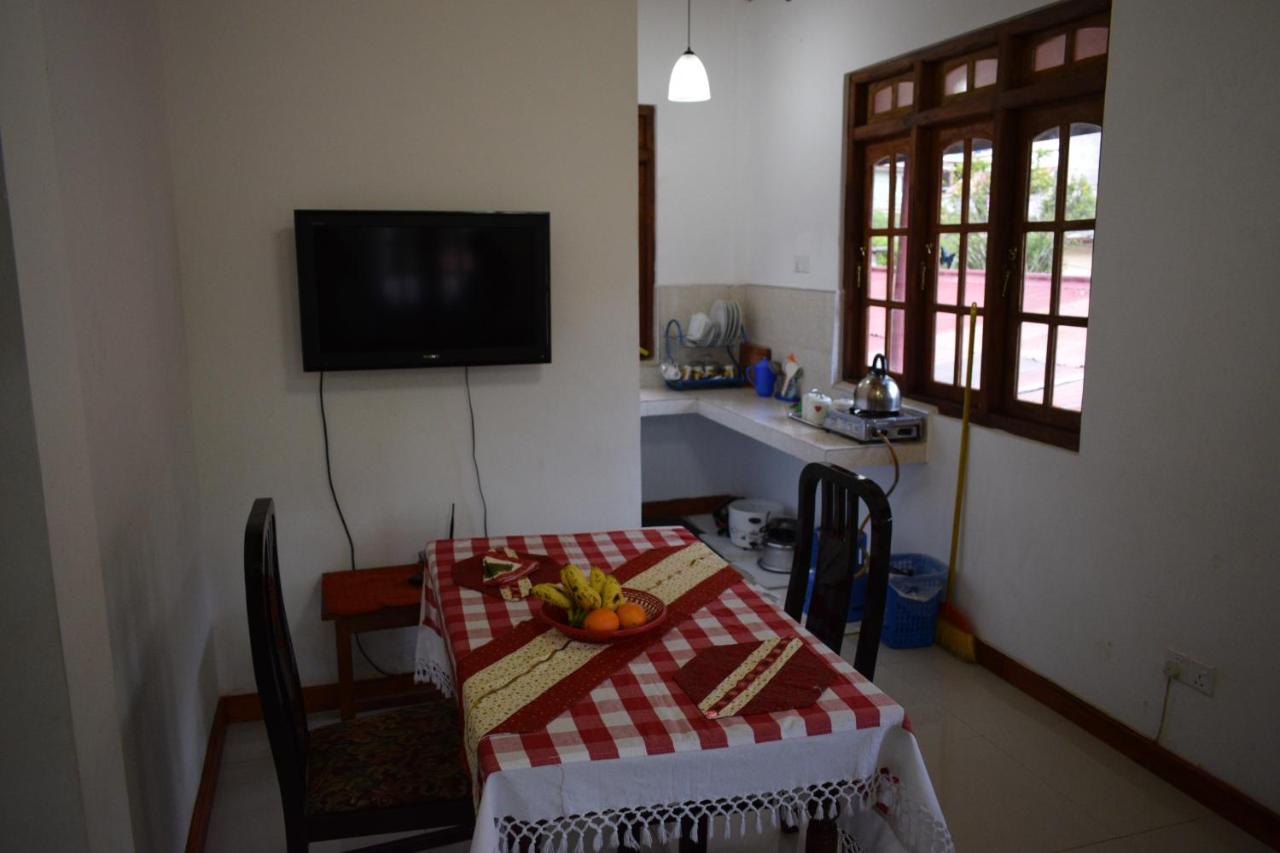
{"points": [[640, 710]]}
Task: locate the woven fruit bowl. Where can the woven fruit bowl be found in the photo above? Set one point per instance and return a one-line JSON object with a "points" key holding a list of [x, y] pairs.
{"points": [[558, 619]]}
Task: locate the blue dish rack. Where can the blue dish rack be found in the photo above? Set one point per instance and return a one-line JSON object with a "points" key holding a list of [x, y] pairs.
{"points": [[676, 339]]}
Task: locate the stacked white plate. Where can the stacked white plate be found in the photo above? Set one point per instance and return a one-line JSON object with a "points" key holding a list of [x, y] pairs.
{"points": [[726, 317]]}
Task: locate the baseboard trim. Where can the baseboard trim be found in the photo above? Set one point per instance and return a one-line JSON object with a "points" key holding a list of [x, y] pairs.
{"points": [[1228, 801], [680, 507], [202, 809], [371, 694]]}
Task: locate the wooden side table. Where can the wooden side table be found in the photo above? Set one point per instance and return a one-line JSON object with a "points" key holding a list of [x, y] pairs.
{"points": [[366, 600]]}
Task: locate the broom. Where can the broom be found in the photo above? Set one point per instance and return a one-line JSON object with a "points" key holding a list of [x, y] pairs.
{"points": [[955, 634]]}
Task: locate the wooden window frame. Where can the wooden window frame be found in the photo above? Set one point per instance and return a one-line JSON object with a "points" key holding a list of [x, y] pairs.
{"points": [[1017, 92], [647, 185]]}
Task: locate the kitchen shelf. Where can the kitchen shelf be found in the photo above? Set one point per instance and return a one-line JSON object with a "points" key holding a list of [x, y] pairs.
{"points": [[765, 420]]}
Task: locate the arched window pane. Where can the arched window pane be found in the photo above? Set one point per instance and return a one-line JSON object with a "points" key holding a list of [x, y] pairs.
{"points": [[951, 186], [1042, 187], [882, 100], [900, 191], [980, 160], [880, 194], [1050, 53], [1082, 171]]}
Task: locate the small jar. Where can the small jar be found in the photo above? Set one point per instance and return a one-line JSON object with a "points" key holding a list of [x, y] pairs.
{"points": [[814, 407]]}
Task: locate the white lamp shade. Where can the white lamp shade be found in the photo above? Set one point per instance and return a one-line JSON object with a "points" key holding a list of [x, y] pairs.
{"points": [[689, 80]]}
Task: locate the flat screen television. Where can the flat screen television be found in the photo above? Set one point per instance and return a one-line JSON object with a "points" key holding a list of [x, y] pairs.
{"points": [[385, 289]]}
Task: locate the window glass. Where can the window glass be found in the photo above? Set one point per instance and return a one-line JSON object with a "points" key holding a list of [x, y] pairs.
{"points": [[897, 338], [975, 273], [980, 160], [1037, 272], [948, 268], [1050, 53], [956, 81], [951, 185], [1068, 368], [880, 194], [906, 93], [900, 189], [984, 72], [1083, 152], [882, 100], [944, 348], [1033, 347], [875, 332], [1042, 193], [1076, 277], [878, 275], [1091, 41], [962, 362], [900, 272]]}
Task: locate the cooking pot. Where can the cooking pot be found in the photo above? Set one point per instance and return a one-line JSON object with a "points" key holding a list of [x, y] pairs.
{"points": [[778, 548], [877, 393]]}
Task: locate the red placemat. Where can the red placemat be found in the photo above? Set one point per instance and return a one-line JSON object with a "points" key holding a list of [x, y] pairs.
{"points": [[470, 573], [785, 674]]}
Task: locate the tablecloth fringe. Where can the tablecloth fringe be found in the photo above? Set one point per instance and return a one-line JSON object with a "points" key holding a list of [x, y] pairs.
{"points": [[912, 823], [430, 672]]}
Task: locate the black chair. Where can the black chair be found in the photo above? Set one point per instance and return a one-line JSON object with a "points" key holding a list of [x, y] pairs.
{"points": [[394, 772], [837, 563]]}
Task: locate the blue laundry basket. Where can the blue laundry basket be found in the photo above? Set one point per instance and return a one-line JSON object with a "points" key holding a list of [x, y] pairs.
{"points": [[917, 588]]}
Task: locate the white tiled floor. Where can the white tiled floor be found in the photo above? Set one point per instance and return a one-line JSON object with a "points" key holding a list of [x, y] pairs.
{"points": [[1010, 774]]}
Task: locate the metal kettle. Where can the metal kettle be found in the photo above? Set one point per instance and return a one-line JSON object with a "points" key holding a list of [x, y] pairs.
{"points": [[877, 393]]}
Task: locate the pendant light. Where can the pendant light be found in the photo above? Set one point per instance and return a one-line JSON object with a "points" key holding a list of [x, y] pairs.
{"points": [[689, 76]]}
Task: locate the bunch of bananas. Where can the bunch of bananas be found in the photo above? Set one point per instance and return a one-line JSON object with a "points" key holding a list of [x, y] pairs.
{"points": [[578, 594]]}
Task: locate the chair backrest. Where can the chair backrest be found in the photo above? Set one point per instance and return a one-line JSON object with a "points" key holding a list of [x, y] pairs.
{"points": [[837, 562], [274, 667]]}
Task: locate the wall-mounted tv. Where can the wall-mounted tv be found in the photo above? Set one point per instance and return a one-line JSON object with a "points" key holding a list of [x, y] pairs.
{"points": [[383, 289]]}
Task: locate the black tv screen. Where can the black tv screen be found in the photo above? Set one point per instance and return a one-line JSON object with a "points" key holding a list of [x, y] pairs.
{"points": [[381, 289]]}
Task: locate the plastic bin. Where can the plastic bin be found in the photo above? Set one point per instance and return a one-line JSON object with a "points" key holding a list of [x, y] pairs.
{"points": [[858, 596], [917, 588]]}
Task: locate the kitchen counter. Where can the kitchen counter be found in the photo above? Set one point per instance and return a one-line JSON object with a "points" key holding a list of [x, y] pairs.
{"points": [[765, 420]]}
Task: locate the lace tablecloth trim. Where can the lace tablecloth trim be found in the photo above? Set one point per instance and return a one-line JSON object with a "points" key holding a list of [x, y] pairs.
{"points": [[431, 663], [914, 825]]}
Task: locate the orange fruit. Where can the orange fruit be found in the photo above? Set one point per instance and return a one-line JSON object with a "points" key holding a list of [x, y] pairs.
{"points": [[601, 619], [631, 615]]}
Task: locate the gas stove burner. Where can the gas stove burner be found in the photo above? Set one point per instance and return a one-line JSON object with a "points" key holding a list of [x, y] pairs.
{"points": [[906, 425]]}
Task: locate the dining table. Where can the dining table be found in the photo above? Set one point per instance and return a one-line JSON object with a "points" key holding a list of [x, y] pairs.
{"points": [[578, 746]]}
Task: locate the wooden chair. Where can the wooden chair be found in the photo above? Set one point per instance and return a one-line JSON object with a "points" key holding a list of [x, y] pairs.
{"points": [[837, 563], [393, 772]]}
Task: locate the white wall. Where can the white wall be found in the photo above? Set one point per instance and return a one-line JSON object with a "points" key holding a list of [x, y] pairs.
{"points": [[40, 773], [447, 105], [699, 193], [1085, 566], [88, 168]]}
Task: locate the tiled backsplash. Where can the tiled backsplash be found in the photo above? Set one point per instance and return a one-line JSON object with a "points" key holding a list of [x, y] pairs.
{"points": [[785, 319]]}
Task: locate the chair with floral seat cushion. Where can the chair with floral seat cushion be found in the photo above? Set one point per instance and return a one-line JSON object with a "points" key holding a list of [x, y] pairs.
{"points": [[394, 772]]}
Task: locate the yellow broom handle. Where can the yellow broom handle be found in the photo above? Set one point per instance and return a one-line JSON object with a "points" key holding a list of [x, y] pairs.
{"points": [[964, 456]]}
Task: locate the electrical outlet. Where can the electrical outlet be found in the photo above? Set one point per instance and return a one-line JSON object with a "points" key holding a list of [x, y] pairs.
{"points": [[1191, 672]]}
